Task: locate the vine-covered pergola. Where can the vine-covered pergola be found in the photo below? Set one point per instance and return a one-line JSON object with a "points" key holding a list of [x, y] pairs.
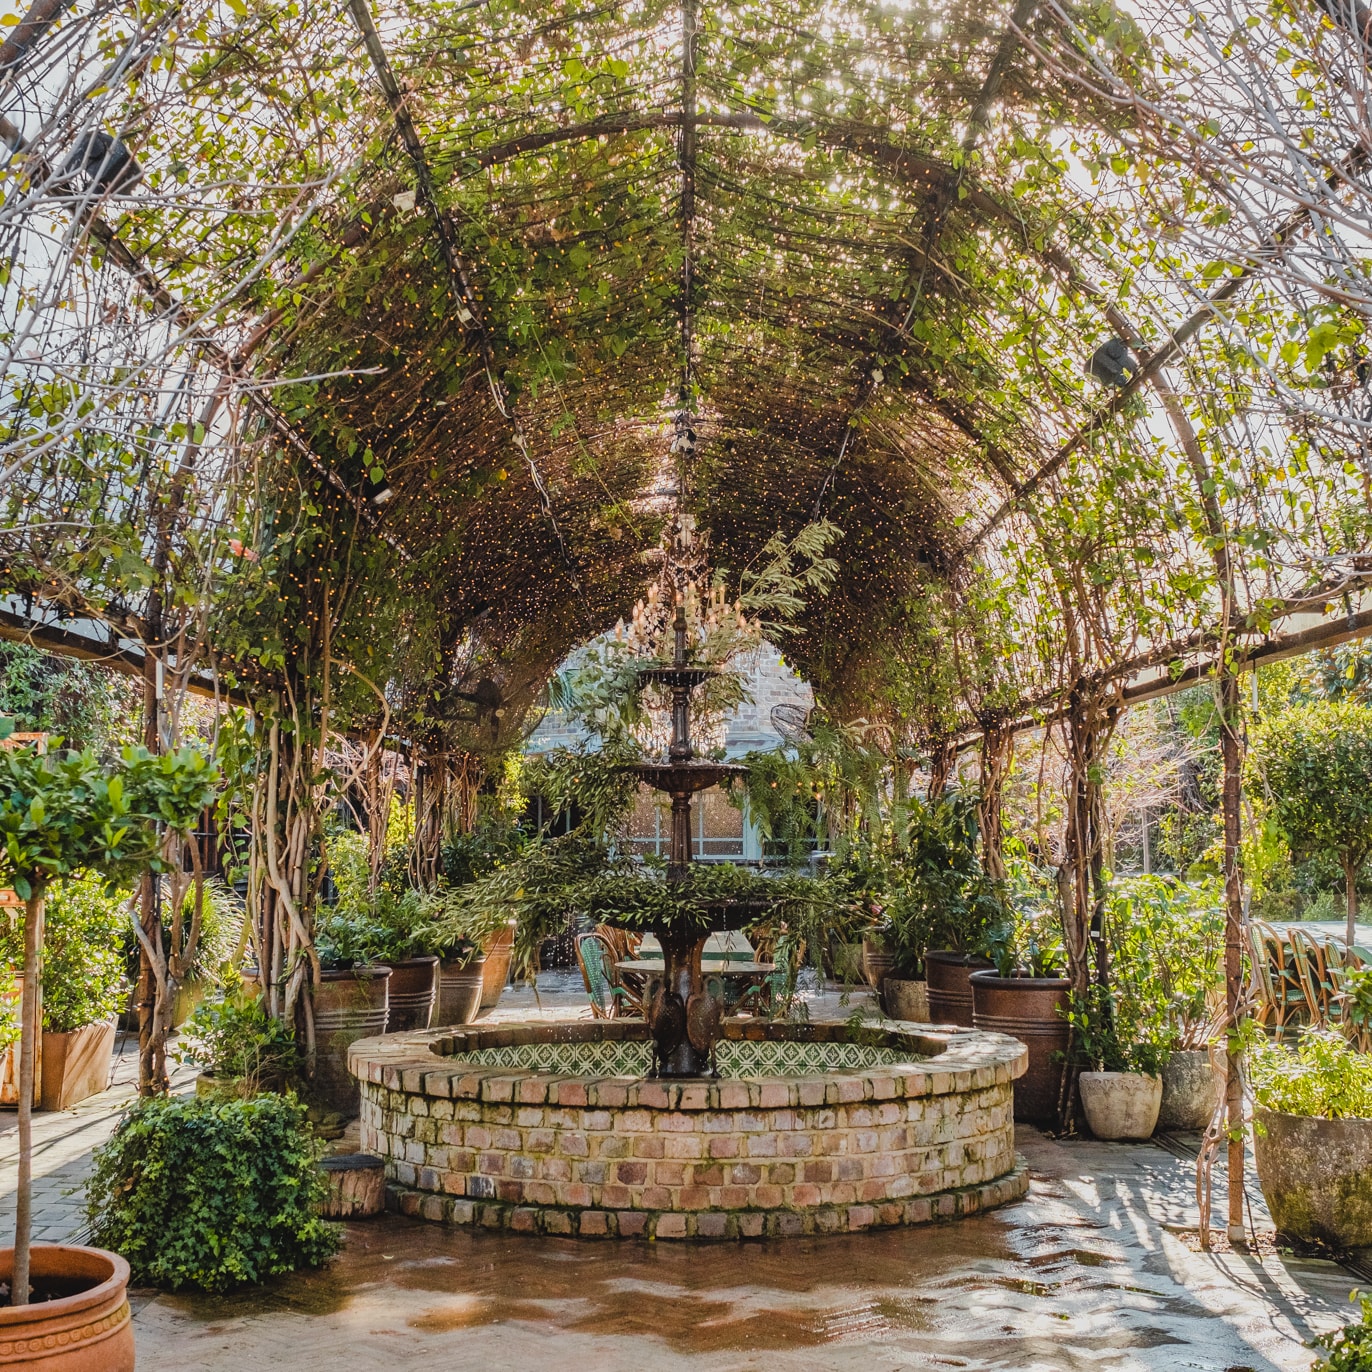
{"points": [[361, 360]]}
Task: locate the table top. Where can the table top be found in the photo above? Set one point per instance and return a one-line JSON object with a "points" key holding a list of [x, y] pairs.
{"points": [[724, 969]]}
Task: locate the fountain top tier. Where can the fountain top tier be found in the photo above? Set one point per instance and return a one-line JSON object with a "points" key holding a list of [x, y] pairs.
{"points": [[683, 774]]}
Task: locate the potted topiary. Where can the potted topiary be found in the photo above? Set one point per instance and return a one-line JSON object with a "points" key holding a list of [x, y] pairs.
{"points": [[62, 815], [1312, 1120], [1123, 1052]]}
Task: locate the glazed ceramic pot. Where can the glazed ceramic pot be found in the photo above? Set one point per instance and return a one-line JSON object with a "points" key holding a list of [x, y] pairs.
{"points": [[950, 988], [1120, 1105], [496, 971], [1316, 1177], [349, 1005], [86, 1328], [1033, 1010], [459, 990], [411, 994], [76, 1065], [907, 1000]]}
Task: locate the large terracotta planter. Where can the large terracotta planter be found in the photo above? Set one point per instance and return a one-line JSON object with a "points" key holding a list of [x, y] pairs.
{"points": [[950, 990], [1033, 1010], [459, 990], [1316, 1177], [496, 971], [348, 1005], [905, 1000], [876, 962], [88, 1330], [411, 994], [76, 1065], [1190, 1091], [1120, 1105]]}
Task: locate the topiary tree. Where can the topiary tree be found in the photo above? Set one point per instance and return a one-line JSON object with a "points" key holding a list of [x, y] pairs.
{"points": [[63, 814], [1316, 763]]}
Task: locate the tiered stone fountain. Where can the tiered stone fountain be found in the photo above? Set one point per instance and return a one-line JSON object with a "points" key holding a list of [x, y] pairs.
{"points": [[612, 1128]]}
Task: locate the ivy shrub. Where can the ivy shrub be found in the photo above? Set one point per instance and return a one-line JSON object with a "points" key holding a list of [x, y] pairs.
{"points": [[1348, 1349], [211, 1193]]}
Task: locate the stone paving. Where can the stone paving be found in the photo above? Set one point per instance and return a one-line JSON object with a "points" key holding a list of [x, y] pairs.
{"points": [[1095, 1269]]}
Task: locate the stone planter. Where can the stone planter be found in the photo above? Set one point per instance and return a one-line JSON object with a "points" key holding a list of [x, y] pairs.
{"points": [[497, 969], [459, 990], [76, 1065], [226, 1088], [844, 962], [950, 990], [876, 962], [411, 994], [1316, 1177], [1120, 1105], [348, 1005], [86, 1328], [906, 1000], [1190, 1091], [1033, 1010]]}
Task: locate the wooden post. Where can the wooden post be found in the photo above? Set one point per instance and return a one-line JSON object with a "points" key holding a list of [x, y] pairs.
{"points": [[1230, 725]]}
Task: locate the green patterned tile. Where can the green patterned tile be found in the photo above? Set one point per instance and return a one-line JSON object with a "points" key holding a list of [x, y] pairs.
{"points": [[735, 1059]]}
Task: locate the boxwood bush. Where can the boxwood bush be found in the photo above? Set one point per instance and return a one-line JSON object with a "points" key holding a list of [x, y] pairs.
{"points": [[211, 1193]]}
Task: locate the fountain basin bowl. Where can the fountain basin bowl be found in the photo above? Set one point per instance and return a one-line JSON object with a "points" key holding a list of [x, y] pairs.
{"points": [[811, 1128]]}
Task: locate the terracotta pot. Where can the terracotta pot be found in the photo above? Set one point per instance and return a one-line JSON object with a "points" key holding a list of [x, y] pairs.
{"points": [[1033, 1010], [88, 1331], [1190, 1091], [907, 1000], [348, 1005], [411, 994], [1316, 1177], [950, 991], [497, 969], [876, 962], [76, 1065], [1120, 1105], [459, 990]]}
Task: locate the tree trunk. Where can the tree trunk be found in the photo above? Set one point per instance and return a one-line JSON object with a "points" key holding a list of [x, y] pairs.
{"points": [[997, 752], [152, 1067], [1350, 893], [29, 1029]]}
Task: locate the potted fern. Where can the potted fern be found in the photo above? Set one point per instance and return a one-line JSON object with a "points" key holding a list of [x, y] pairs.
{"points": [[64, 815]]}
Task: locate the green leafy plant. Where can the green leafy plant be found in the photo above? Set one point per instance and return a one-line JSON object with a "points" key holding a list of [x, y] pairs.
{"points": [[236, 1041], [1323, 1075], [211, 1193], [1166, 942], [1348, 1349], [83, 964], [1115, 1035], [1316, 762]]}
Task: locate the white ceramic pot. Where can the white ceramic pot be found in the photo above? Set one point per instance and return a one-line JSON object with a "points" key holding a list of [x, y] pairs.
{"points": [[1121, 1105]]}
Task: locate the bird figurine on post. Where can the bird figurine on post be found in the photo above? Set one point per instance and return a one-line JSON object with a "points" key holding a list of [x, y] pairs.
{"points": [[1112, 364]]}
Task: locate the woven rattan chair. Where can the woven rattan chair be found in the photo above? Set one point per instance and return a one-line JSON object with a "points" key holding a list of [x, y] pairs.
{"points": [[1281, 1004], [610, 997]]}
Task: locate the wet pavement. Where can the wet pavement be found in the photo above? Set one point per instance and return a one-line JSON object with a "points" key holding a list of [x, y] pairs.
{"points": [[1092, 1271]]}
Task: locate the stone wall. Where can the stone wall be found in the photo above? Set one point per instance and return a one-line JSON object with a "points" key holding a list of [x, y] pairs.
{"points": [[893, 1144]]}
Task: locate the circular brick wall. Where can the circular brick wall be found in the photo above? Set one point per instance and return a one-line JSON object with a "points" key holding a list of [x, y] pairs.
{"points": [[822, 1130]]}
